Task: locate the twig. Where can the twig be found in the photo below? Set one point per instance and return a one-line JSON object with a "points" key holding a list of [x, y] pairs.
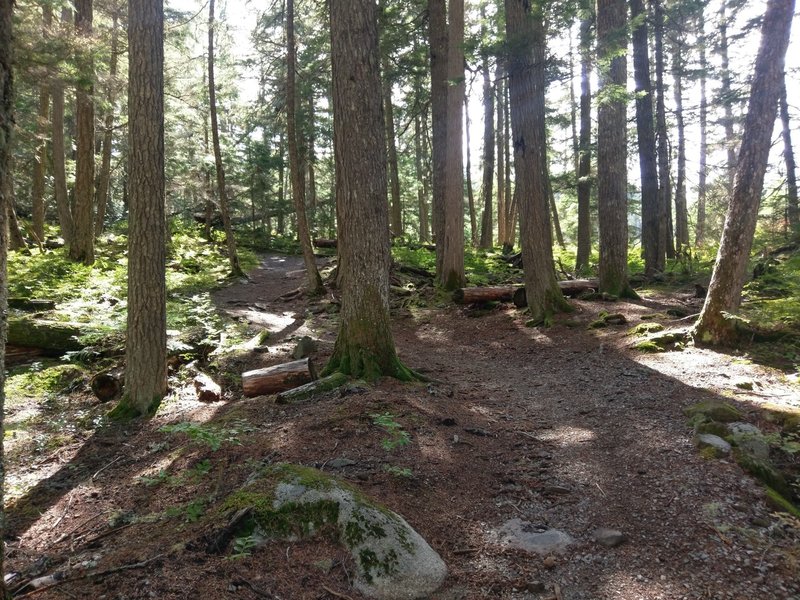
{"points": [[601, 489], [336, 594], [527, 434], [460, 551], [128, 567], [107, 533], [104, 468], [66, 534], [64, 514], [557, 591], [257, 591]]}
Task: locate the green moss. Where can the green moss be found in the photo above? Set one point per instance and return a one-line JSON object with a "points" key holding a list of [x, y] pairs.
{"points": [[370, 563], [713, 410], [709, 453], [649, 346], [36, 382], [778, 502], [763, 471], [125, 410], [653, 316], [714, 428], [645, 328]]}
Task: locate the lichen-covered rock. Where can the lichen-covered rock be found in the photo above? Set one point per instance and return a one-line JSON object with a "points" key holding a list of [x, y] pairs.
{"points": [[393, 562], [749, 439], [523, 535]]}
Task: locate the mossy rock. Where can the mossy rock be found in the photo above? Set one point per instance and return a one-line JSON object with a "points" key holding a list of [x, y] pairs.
{"points": [[764, 471], [646, 328], [286, 501], [648, 346], [712, 410], [714, 428]]}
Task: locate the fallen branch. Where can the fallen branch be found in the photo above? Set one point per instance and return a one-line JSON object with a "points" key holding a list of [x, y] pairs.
{"points": [[128, 567], [307, 390], [336, 594]]}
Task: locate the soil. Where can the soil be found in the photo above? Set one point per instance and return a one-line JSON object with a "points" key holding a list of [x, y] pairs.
{"points": [[564, 427]]}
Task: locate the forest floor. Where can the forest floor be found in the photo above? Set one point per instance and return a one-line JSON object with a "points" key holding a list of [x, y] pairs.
{"points": [[519, 429]]}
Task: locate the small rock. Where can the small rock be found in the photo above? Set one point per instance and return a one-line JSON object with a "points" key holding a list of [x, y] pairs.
{"points": [[519, 534], [609, 537], [338, 463], [536, 587], [305, 347], [325, 565], [744, 385], [549, 562], [709, 440]]}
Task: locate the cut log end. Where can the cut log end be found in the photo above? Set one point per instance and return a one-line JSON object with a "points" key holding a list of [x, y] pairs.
{"points": [[279, 378], [106, 386]]}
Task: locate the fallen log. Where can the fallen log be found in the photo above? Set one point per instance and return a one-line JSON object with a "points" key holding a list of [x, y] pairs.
{"points": [[53, 336], [476, 295], [206, 388], [279, 378], [323, 243], [31, 304], [572, 287], [326, 384], [107, 385]]}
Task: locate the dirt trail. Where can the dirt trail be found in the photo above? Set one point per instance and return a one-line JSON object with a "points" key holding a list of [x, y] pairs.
{"points": [[535, 429]]}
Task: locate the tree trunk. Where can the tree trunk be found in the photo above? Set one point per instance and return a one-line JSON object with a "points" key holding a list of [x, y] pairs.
{"points": [[6, 132], [792, 208], [222, 192], [40, 158], [666, 245], [585, 144], [279, 378], [730, 270], [396, 221], [437, 36], [16, 240], [499, 86], [422, 188], [314, 281], [451, 245], [364, 346], [146, 348], [82, 247], [311, 162], [60, 153], [473, 215], [488, 154], [551, 202], [681, 209], [104, 180], [700, 231], [726, 95], [648, 167], [612, 148], [526, 72]]}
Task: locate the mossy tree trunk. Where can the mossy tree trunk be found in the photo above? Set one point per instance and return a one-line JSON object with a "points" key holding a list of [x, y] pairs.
{"points": [[146, 351], [526, 71], [6, 131], [724, 292], [488, 151], [612, 148], [437, 37], [364, 346]]}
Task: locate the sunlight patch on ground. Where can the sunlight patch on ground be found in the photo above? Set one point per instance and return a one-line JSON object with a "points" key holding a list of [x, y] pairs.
{"points": [[431, 333], [636, 586], [566, 435]]}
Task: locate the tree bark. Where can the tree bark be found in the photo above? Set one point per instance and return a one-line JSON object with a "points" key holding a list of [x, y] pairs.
{"points": [[551, 202], [146, 349], [222, 192], [488, 154], [422, 187], [364, 346], [104, 180], [272, 380], [612, 148], [82, 247], [648, 167], [726, 95], [792, 207], [526, 71], [730, 270], [451, 245], [6, 132], [60, 153], [585, 144], [314, 281]]}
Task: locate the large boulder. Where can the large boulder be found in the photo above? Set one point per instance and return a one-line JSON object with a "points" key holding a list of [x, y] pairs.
{"points": [[393, 562]]}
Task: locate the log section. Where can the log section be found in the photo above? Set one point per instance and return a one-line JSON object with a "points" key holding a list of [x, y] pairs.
{"points": [[279, 378]]}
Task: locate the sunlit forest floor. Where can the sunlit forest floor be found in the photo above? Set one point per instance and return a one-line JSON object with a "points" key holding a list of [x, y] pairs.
{"points": [[573, 427]]}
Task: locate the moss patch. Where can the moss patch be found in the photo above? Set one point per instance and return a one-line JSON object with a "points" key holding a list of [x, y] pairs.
{"points": [[721, 412], [645, 328]]}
